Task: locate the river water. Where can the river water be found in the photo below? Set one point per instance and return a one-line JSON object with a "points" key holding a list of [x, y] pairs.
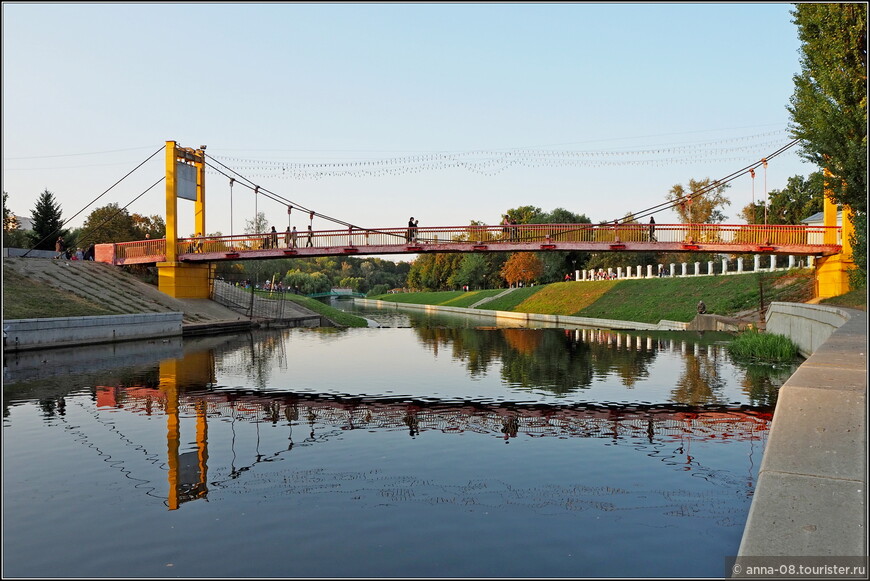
{"points": [[431, 446]]}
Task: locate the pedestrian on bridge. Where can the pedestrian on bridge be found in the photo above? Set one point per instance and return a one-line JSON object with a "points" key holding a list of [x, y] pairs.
{"points": [[652, 229], [310, 234], [409, 235], [274, 234], [290, 237]]}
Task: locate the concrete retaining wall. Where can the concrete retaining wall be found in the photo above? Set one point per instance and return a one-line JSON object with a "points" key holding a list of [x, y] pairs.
{"points": [[810, 499], [531, 319], [809, 326], [21, 334], [13, 252]]}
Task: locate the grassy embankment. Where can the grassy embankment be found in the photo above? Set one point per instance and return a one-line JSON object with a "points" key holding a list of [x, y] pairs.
{"points": [[632, 300], [337, 316], [25, 298], [644, 300]]}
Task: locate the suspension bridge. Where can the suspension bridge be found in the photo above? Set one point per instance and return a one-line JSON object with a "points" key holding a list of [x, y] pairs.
{"points": [[186, 264]]}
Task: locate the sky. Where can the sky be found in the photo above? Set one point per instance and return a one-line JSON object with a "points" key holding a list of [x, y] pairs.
{"points": [[370, 113]]}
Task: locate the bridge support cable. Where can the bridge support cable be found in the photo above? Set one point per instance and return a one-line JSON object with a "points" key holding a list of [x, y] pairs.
{"points": [[750, 169], [65, 222], [285, 201], [112, 217]]}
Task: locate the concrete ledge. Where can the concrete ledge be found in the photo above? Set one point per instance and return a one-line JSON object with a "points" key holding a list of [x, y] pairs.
{"points": [[531, 319], [812, 486], [20, 334], [805, 516]]}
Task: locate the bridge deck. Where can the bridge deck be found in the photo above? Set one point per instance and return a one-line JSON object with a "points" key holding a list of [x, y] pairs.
{"points": [[709, 238]]}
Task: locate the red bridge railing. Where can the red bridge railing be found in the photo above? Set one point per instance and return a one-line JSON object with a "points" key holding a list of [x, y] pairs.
{"points": [[741, 238]]}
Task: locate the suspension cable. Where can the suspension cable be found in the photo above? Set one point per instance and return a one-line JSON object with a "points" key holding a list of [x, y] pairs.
{"points": [[94, 229], [750, 169], [62, 224]]}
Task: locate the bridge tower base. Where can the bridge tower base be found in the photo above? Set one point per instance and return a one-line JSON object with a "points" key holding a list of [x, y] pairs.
{"points": [[185, 281], [832, 272], [832, 275]]}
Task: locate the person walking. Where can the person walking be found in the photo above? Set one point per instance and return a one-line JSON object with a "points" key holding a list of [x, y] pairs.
{"points": [[293, 237], [287, 237], [409, 234], [652, 229], [59, 246], [274, 235], [310, 234]]}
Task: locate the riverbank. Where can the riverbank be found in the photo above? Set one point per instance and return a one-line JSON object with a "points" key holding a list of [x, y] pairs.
{"points": [[40, 288]]}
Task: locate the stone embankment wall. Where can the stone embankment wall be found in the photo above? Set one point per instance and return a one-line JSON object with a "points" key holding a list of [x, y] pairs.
{"points": [[530, 319], [21, 334]]}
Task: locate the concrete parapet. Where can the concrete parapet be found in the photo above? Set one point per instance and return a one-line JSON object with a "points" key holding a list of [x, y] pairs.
{"points": [[532, 319], [809, 326], [811, 493], [20, 334]]}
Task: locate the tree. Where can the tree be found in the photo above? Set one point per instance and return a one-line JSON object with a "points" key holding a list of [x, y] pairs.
{"points": [[153, 225], [108, 224], [13, 235], [10, 222], [47, 222], [259, 225], [800, 199], [473, 271], [526, 215], [522, 267], [829, 105], [701, 203]]}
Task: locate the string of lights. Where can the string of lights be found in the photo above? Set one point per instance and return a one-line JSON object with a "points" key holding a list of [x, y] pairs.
{"points": [[492, 162], [687, 198]]}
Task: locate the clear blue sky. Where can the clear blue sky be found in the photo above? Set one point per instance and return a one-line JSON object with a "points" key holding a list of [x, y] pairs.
{"points": [[596, 108]]}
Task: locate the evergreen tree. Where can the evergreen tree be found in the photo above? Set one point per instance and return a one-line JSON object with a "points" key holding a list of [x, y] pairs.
{"points": [[47, 222]]}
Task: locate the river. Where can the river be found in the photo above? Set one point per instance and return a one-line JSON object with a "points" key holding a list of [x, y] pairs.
{"points": [[431, 446]]}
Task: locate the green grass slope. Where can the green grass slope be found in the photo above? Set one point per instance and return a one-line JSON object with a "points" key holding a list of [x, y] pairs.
{"points": [[642, 300]]}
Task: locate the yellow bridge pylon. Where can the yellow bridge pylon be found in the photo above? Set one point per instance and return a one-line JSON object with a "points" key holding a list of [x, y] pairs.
{"points": [[185, 178]]}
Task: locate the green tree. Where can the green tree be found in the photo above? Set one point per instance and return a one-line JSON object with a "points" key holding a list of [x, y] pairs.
{"points": [[701, 203], [526, 215], [473, 271], [47, 222], [829, 106], [801, 198], [153, 225], [108, 224]]}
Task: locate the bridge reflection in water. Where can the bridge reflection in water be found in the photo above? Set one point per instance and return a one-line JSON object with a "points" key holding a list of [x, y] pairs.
{"points": [[644, 427]]}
